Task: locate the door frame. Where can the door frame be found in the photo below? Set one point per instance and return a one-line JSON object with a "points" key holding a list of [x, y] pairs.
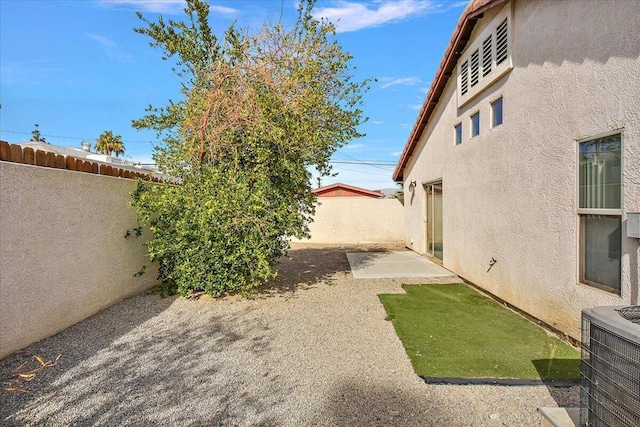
{"points": [[430, 252]]}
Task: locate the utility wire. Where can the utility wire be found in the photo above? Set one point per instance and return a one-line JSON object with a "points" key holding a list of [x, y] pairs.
{"points": [[361, 162], [368, 173], [380, 164], [64, 137]]}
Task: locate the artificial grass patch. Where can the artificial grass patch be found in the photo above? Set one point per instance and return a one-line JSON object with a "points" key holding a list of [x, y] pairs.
{"points": [[453, 331]]}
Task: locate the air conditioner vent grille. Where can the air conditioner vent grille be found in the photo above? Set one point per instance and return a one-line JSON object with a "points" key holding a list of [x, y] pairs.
{"points": [[631, 313], [609, 376]]}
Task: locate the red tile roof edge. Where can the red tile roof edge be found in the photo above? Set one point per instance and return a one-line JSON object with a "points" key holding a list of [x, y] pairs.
{"points": [[458, 42], [364, 191]]}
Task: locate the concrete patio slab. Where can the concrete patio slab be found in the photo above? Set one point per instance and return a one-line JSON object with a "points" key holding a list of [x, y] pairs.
{"points": [[381, 265]]}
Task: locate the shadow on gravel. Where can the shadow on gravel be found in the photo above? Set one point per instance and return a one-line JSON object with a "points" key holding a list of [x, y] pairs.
{"points": [[143, 362], [166, 361], [307, 266], [557, 389], [355, 403]]}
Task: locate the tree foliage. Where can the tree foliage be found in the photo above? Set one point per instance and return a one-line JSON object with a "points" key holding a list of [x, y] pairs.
{"points": [[108, 143], [258, 111], [36, 136]]}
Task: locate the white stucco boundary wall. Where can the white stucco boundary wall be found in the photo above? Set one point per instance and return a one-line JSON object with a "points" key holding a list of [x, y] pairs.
{"points": [[353, 220], [63, 254]]}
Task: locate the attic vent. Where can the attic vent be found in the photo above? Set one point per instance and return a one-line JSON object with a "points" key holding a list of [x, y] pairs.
{"points": [[501, 42], [486, 56], [486, 59], [464, 78], [475, 68]]}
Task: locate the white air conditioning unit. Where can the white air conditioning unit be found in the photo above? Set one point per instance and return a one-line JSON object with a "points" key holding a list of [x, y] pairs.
{"points": [[610, 367]]}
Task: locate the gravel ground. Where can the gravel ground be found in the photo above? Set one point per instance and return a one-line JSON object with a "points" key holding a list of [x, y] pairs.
{"points": [[312, 348]]}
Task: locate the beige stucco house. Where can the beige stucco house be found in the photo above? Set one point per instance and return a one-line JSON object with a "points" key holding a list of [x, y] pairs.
{"points": [[522, 172]]}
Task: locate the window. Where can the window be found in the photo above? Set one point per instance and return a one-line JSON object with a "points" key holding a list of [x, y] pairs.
{"points": [[475, 124], [458, 130], [496, 112], [600, 212], [486, 58]]}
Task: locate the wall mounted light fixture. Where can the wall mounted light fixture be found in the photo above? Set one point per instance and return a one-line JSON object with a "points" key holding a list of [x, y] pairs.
{"points": [[412, 185]]}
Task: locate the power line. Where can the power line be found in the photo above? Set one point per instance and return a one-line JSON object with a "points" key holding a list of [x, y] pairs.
{"points": [[365, 163], [63, 137], [372, 162], [372, 165], [368, 173], [380, 164]]}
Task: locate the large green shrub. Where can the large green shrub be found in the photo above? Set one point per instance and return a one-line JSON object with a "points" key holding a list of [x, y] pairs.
{"points": [[259, 111]]}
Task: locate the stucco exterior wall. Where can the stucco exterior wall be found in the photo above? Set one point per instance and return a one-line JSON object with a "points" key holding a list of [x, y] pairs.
{"points": [[63, 255], [353, 220], [511, 192]]}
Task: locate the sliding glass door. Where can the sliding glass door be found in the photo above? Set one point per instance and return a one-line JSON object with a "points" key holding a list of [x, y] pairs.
{"points": [[433, 223]]}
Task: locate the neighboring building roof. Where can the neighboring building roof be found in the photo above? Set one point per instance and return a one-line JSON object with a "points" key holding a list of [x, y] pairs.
{"points": [[459, 40], [50, 148], [80, 153], [344, 190]]}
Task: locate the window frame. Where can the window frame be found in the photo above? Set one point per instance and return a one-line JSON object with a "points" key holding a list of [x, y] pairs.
{"points": [[471, 116], [608, 212], [457, 136], [493, 111]]}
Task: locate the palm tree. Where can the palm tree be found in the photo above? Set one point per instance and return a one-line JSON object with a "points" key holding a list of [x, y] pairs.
{"points": [[118, 146], [109, 143]]}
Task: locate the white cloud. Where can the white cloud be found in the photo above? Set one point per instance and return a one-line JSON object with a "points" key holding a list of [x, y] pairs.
{"points": [[103, 41], [354, 147], [29, 72], [351, 16], [396, 153], [463, 3], [171, 7], [386, 82], [376, 122], [415, 106], [152, 6], [223, 10], [110, 47]]}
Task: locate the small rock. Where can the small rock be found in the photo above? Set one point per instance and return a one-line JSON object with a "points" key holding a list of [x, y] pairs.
{"points": [[494, 416], [394, 413]]}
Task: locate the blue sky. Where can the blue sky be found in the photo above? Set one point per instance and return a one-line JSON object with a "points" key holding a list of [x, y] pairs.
{"points": [[77, 69]]}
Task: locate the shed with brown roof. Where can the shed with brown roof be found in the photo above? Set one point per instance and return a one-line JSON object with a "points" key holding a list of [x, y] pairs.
{"points": [[344, 190]]}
